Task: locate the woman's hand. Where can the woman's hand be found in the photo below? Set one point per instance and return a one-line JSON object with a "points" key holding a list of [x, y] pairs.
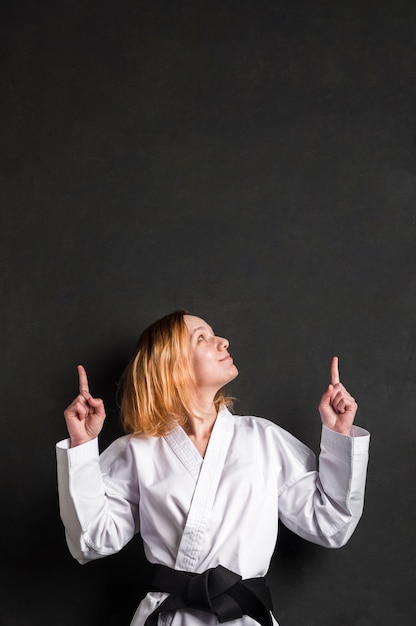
{"points": [[86, 415], [337, 407]]}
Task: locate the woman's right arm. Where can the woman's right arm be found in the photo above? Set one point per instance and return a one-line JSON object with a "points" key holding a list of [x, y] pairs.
{"points": [[99, 512]]}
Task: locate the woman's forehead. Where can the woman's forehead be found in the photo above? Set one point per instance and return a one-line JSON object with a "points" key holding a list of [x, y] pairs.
{"points": [[193, 323]]}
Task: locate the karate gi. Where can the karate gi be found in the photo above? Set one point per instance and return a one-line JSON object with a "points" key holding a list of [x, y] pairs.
{"points": [[194, 513]]}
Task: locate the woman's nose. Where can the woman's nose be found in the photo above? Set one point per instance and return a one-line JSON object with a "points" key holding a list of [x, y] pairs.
{"points": [[223, 343]]}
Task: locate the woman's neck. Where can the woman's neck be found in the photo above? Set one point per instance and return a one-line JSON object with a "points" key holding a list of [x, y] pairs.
{"points": [[199, 426]]}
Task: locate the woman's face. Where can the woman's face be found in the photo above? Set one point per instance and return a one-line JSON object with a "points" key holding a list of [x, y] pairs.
{"points": [[212, 364]]}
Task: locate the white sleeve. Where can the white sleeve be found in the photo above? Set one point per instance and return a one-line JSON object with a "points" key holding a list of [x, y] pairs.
{"points": [[324, 507], [98, 499]]}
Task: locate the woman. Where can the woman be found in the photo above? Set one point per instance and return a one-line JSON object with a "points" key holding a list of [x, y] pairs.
{"points": [[203, 487]]}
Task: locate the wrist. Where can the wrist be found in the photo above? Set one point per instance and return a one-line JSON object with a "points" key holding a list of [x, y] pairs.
{"points": [[79, 442], [342, 430]]}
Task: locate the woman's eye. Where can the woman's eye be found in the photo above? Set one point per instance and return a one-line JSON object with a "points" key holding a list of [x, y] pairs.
{"points": [[201, 338]]}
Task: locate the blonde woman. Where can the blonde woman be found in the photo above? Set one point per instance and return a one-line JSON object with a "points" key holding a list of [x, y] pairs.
{"points": [[203, 487]]}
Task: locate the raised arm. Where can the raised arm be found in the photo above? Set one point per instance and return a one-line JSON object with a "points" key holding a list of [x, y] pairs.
{"points": [[98, 504], [325, 506]]}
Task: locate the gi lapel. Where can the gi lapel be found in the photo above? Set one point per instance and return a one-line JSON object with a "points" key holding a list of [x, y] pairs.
{"points": [[186, 452], [205, 490]]}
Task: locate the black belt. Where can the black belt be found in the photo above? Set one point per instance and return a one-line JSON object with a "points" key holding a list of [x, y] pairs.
{"points": [[218, 591]]}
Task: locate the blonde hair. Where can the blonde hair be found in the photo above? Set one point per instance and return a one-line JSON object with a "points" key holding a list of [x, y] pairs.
{"points": [[158, 383]]}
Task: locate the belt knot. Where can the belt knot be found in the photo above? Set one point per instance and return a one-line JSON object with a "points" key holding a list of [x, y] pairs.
{"points": [[208, 592]]}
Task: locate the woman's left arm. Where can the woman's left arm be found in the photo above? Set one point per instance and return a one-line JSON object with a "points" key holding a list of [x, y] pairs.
{"points": [[325, 506]]}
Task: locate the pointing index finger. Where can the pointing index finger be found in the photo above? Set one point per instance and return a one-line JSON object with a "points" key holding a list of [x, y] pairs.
{"points": [[83, 380], [334, 371]]}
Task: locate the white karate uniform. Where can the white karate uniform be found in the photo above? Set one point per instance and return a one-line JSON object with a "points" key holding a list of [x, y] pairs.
{"points": [[194, 513]]}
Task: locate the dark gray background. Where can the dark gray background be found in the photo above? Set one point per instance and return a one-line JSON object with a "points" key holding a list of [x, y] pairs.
{"points": [[253, 162]]}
